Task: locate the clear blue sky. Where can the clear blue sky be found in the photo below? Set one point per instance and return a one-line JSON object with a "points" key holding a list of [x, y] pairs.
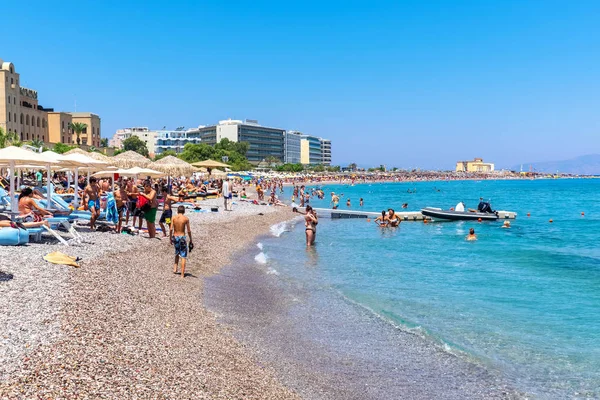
{"points": [[405, 83]]}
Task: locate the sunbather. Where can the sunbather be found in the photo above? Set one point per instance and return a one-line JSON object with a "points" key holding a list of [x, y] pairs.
{"points": [[29, 211]]}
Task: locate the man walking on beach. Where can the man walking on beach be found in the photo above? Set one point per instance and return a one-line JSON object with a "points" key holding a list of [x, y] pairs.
{"points": [[167, 214], [179, 225], [226, 191], [150, 213], [92, 198]]}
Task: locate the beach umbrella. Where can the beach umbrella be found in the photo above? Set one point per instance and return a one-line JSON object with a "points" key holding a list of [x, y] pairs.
{"points": [[135, 171], [12, 157], [210, 164], [130, 159], [173, 166], [218, 172], [86, 162]]}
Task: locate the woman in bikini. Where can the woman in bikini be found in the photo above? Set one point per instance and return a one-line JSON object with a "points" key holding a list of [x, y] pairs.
{"points": [[311, 222], [29, 211], [393, 219], [382, 221]]}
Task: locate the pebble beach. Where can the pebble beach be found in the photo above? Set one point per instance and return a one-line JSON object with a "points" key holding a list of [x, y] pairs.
{"points": [[123, 325]]}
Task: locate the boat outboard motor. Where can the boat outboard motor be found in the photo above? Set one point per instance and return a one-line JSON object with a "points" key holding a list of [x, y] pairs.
{"points": [[485, 208]]}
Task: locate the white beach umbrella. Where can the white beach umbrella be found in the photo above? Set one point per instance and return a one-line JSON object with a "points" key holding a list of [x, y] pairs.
{"points": [[15, 156], [86, 162], [135, 171]]}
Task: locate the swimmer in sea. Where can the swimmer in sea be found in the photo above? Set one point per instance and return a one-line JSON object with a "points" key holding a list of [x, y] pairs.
{"points": [[405, 205], [335, 200], [506, 224], [393, 219], [348, 203], [382, 221], [361, 203], [472, 236]]}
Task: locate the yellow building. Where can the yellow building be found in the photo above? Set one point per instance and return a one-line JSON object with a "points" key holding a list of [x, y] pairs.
{"points": [[477, 165], [21, 113], [58, 127]]}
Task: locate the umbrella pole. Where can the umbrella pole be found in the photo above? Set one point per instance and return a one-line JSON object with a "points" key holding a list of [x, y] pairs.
{"points": [[76, 188], [13, 203], [48, 189]]}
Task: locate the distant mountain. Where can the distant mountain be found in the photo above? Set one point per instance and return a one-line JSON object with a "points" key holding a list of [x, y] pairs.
{"points": [[583, 165]]}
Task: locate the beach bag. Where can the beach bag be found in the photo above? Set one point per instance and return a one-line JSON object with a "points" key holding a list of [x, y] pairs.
{"points": [[143, 204]]}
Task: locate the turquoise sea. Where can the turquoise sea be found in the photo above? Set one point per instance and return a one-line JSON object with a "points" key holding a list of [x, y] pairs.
{"points": [[524, 302]]}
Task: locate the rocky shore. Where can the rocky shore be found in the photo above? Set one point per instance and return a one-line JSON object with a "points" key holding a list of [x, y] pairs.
{"points": [[123, 325]]}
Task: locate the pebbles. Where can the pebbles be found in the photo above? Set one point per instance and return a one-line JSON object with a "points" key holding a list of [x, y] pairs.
{"points": [[123, 325]]}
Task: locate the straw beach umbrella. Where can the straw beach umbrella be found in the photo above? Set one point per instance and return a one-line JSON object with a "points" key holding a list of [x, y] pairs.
{"points": [[173, 166], [130, 159], [210, 164]]}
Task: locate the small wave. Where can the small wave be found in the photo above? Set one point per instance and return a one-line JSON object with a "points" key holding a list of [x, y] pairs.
{"points": [[261, 258], [272, 271], [259, 245], [278, 229]]}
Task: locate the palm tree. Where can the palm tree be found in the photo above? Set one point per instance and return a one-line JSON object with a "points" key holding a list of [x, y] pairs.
{"points": [[78, 128], [9, 139], [37, 143]]}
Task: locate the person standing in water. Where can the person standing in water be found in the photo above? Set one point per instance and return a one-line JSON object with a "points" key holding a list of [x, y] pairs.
{"points": [[472, 236], [361, 202], [310, 223]]}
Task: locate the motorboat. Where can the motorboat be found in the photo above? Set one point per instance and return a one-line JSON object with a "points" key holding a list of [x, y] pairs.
{"points": [[453, 215]]}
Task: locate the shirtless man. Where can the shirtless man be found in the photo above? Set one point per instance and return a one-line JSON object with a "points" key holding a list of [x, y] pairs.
{"points": [[121, 200], [179, 225], [150, 215], [132, 192], [335, 200], [92, 196], [472, 236], [167, 214]]}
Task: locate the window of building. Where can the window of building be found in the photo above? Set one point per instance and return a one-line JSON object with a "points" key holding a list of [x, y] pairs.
{"points": [[43, 122], [43, 138], [12, 81], [63, 124], [27, 135], [84, 130], [38, 122], [62, 140], [22, 119], [8, 117], [27, 120], [15, 115], [22, 136]]}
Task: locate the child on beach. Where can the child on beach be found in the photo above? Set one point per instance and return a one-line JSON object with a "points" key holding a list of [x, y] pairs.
{"points": [[179, 224]]}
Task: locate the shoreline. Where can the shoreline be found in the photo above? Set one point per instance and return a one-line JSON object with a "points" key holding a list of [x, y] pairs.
{"points": [[127, 327], [324, 345]]}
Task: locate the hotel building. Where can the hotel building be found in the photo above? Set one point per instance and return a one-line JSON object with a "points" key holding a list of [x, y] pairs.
{"points": [[264, 142], [157, 141], [21, 113], [310, 150], [477, 165], [326, 151], [292, 147]]}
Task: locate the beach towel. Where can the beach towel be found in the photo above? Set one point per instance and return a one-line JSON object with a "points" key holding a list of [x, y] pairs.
{"points": [[112, 214], [56, 257]]}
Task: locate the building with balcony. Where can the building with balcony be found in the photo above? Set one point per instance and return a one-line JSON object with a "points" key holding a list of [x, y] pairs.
{"points": [[292, 147], [477, 165], [325, 151], [21, 113], [157, 141], [264, 142], [310, 150]]}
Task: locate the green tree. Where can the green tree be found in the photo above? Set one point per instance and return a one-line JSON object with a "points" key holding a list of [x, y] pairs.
{"points": [[9, 139], [104, 142], [271, 160], [225, 148], [36, 143], [61, 148], [290, 168], [136, 144], [78, 128], [165, 154]]}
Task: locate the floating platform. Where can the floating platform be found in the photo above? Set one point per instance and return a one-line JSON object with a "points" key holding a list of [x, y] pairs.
{"points": [[347, 214], [403, 215]]}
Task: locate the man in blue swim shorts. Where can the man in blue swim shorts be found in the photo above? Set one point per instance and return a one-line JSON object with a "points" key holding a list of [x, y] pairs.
{"points": [[179, 225], [92, 197]]}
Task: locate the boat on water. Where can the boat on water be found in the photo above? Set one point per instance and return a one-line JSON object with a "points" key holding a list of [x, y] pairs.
{"points": [[452, 215], [484, 212]]}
